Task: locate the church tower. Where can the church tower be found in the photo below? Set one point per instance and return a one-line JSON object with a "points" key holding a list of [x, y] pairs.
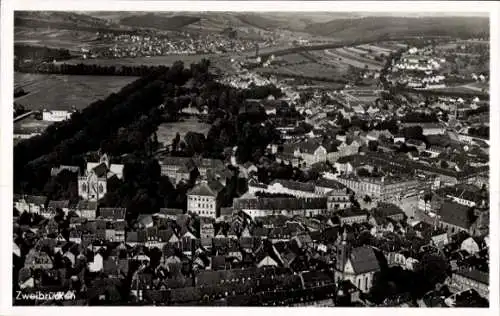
{"points": [[343, 251]]}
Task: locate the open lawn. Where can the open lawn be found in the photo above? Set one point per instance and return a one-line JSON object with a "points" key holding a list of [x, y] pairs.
{"points": [[166, 131], [62, 92]]}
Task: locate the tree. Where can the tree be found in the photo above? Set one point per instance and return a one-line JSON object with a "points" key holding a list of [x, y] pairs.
{"points": [[434, 269], [373, 145], [175, 141], [367, 199]]}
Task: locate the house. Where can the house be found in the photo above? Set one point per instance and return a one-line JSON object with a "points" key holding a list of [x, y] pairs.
{"points": [[288, 206], [470, 245], [312, 152], [115, 231], [247, 169], [145, 221], [357, 265], [75, 237], [38, 260], [169, 213], [112, 214], [53, 206], [56, 170], [97, 264], [206, 228], [352, 215], [418, 144], [325, 185], [432, 129], [440, 240], [34, 204], [86, 209], [465, 279], [338, 200], [456, 217], [295, 188], [204, 199], [388, 210]]}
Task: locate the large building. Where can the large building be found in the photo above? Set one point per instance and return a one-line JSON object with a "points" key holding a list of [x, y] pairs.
{"points": [[56, 116], [177, 168], [204, 199], [382, 188], [92, 185], [357, 265], [288, 206], [465, 279]]}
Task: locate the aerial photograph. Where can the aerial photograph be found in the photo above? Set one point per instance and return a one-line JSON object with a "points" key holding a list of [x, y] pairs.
{"points": [[188, 158]]}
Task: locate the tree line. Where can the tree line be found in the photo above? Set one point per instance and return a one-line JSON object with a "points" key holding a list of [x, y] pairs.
{"points": [[88, 70], [38, 54]]}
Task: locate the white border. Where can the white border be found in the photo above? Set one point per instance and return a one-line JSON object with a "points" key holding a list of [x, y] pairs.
{"points": [[456, 7]]}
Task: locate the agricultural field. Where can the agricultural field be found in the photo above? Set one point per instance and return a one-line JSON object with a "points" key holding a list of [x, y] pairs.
{"points": [[309, 69], [67, 39], [148, 61], [62, 92], [166, 131], [352, 59]]}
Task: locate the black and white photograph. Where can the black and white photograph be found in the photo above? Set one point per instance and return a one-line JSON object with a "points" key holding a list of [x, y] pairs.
{"points": [[250, 158]]}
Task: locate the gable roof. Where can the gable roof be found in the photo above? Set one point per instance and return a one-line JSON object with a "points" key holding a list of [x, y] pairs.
{"points": [[457, 214], [59, 204], [170, 212], [387, 210], [363, 260], [112, 213], [207, 189], [100, 170], [86, 205], [309, 146], [329, 183], [295, 185], [35, 199]]}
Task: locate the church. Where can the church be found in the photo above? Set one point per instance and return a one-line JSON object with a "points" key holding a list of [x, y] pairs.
{"points": [[358, 265], [92, 186]]}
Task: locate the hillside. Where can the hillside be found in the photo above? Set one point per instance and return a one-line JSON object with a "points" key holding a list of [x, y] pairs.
{"points": [[370, 27], [23, 18], [166, 23]]}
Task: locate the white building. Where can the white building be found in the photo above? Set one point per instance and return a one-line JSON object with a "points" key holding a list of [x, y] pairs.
{"points": [[56, 115], [203, 199]]}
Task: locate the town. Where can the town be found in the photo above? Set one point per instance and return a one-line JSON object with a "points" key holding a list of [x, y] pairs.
{"points": [[365, 188]]}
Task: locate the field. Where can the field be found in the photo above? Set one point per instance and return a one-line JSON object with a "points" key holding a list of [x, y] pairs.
{"points": [[60, 92], [468, 88], [309, 69], [149, 61], [71, 40], [354, 59], [167, 131]]}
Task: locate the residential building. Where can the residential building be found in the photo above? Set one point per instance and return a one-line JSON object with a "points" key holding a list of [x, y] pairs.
{"points": [[34, 204], [352, 215], [465, 279], [261, 207], [382, 188], [86, 209]]}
